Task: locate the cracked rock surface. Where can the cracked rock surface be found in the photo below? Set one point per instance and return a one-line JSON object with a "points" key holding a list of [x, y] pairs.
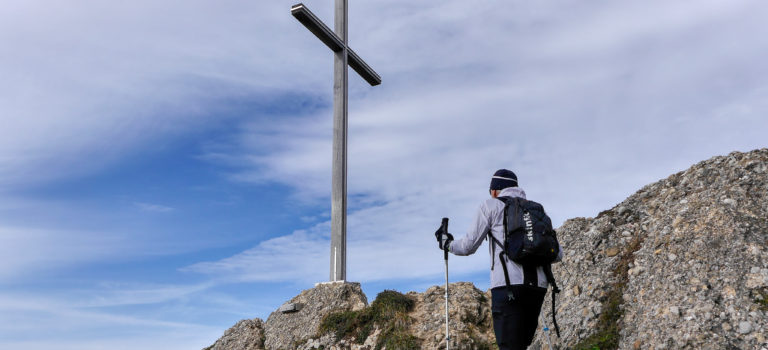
{"points": [[698, 275], [287, 330], [244, 335]]}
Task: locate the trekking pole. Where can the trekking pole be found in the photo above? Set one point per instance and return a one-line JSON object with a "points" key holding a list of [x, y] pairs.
{"points": [[546, 331], [444, 228]]}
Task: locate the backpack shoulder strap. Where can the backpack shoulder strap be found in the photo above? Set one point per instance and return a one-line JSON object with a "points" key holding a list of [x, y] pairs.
{"points": [[507, 201], [495, 242]]}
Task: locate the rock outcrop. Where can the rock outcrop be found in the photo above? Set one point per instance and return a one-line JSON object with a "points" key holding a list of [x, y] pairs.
{"points": [[469, 312], [411, 321], [286, 330], [392, 321], [244, 335], [681, 264]]}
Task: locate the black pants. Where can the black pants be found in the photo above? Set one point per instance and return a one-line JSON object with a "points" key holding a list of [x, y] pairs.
{"points": [[515, 321]]}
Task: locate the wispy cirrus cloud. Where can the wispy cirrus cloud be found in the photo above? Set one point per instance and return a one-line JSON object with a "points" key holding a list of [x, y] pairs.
{"points": [[587, 103], [28, 250], [86, 84], [77, 327], [298, 257], [154, 208]]}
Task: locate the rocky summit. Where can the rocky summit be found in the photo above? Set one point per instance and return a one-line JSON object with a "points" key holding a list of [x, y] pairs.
{"points": [[681, 264]]}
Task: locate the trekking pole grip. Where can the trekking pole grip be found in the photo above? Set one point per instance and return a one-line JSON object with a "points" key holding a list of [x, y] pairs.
{"points": [[444, 228]]}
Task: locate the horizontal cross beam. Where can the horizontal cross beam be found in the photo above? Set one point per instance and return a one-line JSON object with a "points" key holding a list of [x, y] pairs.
{"points": [[327, 36]]}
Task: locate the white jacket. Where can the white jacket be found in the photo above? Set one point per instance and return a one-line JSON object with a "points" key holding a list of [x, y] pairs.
{"points": [[490, 217]]}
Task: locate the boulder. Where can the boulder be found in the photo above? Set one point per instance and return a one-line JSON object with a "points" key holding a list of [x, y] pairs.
{"points": [[287, 330]]}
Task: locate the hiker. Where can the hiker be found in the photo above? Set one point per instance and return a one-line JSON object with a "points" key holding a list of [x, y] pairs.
{"points": [[517, 297]]}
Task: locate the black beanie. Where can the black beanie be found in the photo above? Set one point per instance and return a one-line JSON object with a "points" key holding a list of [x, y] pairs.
{"points": [[502, 179]]}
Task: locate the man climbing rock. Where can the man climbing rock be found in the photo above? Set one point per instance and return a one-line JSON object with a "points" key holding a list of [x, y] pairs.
{"points": [[517, 287]]}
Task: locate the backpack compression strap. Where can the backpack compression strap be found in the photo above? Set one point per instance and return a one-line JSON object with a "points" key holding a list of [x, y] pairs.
{"points": [[510, 295], [551, 279]]}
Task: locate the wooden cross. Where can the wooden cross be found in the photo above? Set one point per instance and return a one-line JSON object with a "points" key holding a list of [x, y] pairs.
{"points": [[343, 57]]}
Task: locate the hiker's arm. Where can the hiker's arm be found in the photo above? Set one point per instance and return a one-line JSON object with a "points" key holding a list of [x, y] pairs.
{"points": [[474, 238]]}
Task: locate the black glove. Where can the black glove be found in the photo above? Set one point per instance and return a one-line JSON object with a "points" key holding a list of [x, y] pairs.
{"points": [[444, 239]]}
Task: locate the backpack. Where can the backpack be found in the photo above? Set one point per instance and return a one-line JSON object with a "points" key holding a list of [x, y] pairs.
{"points": [[529, 240], [528, 235]]}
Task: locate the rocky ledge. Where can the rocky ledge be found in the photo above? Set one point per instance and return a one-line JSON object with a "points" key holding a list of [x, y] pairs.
{"points": [[336, 316]]}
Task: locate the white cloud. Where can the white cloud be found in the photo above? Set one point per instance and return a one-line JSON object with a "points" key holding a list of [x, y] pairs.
{"points": [[64, 326], [587, 103], [156, 208], [120, 294], [85, 83], [297, 257], [384, 243], [40, 238], [28, 250]]}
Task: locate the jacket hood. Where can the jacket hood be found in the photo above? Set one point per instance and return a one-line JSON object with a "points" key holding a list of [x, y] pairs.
{"points": [[512, 192]]}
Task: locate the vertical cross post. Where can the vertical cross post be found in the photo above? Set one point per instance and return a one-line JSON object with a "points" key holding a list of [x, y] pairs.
{"points": [[339, 166], [343, 57]]}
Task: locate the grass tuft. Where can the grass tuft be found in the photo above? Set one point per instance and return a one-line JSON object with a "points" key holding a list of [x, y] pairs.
{"points": [[389, 311], [342, 324], [607, 333]]}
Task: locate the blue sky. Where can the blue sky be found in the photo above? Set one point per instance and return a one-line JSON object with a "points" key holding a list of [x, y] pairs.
{"points": [[165, 166]]}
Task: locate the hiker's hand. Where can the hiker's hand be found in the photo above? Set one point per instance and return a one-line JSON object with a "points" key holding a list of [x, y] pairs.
{"points": [[447, 242], [444, 239], [439, 236]]}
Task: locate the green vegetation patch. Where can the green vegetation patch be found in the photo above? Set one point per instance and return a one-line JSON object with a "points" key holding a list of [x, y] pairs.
{"points": [[342, 324], [389, 311], [607, 332], [388, 303], [760, 297], [399, 340]]}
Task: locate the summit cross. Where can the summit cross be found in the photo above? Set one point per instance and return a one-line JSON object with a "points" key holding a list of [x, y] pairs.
{"points": [[343, 57]]}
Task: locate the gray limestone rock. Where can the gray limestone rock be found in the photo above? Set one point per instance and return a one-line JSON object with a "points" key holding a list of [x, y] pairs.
{"points": [[244, 335], [745, 327], [469, 312], [288, 330], [470, 322], [690, 276]]}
